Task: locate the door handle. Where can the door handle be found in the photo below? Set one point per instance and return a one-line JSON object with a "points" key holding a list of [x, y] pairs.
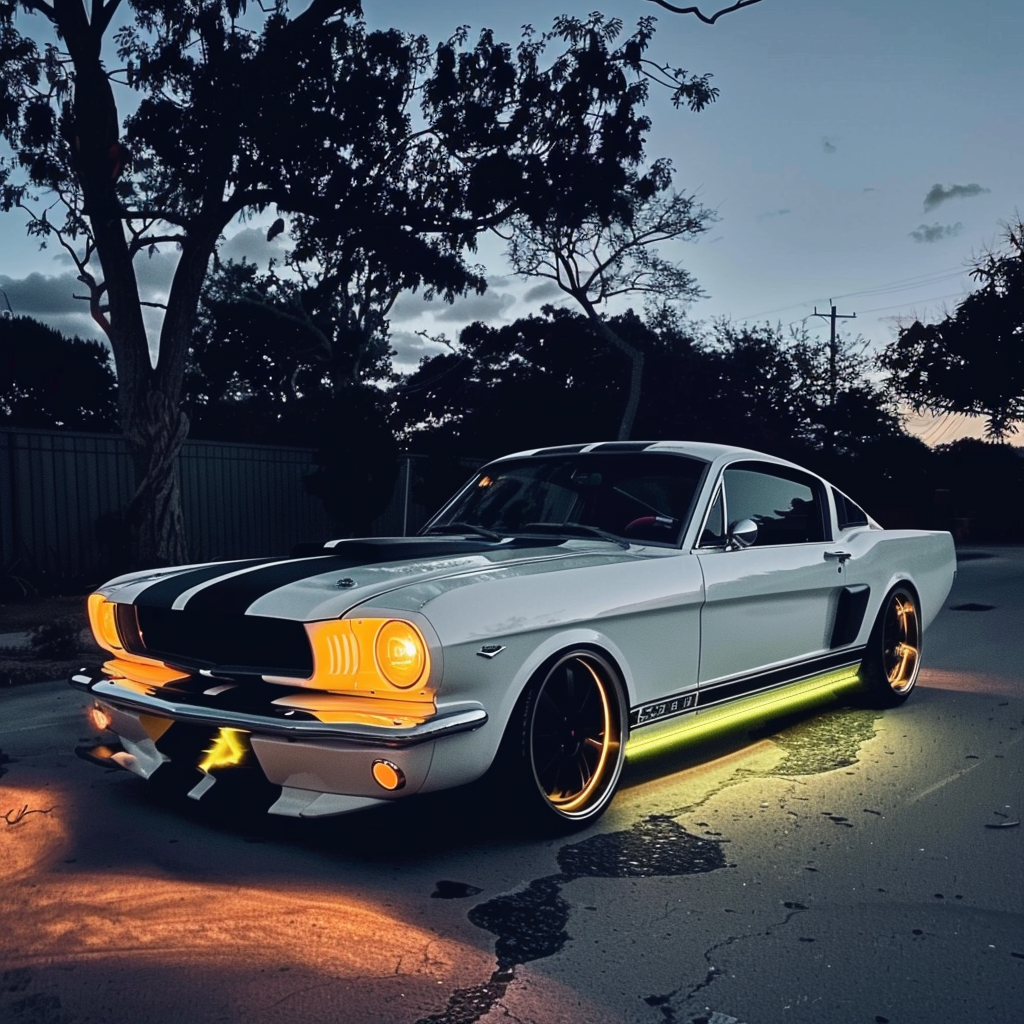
{"points": [[840, 556]]}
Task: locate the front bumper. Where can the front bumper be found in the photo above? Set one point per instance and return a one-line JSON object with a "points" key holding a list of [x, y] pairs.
{"points": [[323, 768]]}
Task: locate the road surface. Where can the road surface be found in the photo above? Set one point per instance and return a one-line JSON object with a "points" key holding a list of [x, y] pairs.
{"points": [[848, 867]]}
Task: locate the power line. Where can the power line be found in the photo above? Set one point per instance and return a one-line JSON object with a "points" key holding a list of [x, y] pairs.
{"points": [[901, 284]]}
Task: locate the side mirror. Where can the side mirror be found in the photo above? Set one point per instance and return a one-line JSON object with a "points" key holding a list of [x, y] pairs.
{"points": [[742, 534]]}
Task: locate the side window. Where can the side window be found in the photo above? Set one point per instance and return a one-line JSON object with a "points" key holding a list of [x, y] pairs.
{"points": [[848, 513], [785, 505], [713, 534]]}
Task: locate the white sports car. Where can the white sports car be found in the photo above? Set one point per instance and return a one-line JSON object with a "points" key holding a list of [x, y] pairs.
{"points": [[570, 607]]}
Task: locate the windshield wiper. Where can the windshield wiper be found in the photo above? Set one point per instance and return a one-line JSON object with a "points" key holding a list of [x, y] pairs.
{"points": [[592, 531], [459, 527]]}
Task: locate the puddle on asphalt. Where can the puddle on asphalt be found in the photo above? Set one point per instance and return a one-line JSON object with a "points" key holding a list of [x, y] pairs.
{"points": [[530, 924], [823, 744]]}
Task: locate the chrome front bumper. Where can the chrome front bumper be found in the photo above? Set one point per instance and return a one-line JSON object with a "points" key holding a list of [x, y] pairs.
{"points": [[449, 718], [323, 768]]}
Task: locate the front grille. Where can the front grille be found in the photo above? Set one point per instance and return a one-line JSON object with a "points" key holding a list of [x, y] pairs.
{"points": [[202, 640]]}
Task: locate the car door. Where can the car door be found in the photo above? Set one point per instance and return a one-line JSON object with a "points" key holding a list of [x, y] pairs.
{"points": [[769, 604]]}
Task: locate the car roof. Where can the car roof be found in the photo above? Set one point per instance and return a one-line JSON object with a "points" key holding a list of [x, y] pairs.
{"points": [[704, 450]]}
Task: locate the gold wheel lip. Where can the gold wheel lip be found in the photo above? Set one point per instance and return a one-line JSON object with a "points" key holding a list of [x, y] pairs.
{"points": [[576, 804], [902, 676]]}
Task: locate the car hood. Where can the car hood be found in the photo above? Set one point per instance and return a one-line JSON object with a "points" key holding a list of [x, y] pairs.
{"points": [[350, 573]]}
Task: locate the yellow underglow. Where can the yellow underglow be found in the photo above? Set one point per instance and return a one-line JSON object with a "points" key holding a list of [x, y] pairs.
{"points": [[703, 725], [369, 657], [228, 750]]}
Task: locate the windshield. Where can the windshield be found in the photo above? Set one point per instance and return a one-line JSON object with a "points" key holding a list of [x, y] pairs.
{"points": [[640, 497]]}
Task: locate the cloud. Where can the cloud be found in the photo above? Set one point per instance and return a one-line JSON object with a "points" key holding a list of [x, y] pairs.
{"points": [[542, 291], [251, 244], [409, 306], [38, 293], [827, 144], [937, 194], [936, 232], [774, 213], [409, 349], [869, 189], [489, 306]]}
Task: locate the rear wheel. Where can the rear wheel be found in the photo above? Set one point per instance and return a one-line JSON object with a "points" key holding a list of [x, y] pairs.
{"points": [[570, 741], [893, 657]]}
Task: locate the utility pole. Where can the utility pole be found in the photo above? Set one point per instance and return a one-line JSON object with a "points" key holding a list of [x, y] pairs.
{"points": [[833, 316], [830, 435]]}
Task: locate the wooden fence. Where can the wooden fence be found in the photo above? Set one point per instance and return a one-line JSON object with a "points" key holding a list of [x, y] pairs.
{"points": [[62, 492]]}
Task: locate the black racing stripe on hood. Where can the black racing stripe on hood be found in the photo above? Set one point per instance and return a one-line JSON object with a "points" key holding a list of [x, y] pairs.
{"points": [[235, 595], [163, 593]]}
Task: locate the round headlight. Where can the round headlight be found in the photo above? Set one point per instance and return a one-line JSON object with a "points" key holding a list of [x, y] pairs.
{"points": [[401, 653]]}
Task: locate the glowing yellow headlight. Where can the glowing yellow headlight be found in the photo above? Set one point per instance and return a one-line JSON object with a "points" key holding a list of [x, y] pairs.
{"points": [[103, 621], [401, 653], [370, 656]]}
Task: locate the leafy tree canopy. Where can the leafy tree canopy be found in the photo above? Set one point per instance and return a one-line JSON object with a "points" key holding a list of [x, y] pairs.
{"points": [[163, 127], [972, 361], [48, 380]]}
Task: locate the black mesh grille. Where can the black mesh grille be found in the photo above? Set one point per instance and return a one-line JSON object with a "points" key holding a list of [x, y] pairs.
{"points": [[203, 640]]}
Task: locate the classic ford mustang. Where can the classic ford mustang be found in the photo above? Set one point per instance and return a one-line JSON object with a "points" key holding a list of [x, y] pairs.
{"points": [[570, 607]]}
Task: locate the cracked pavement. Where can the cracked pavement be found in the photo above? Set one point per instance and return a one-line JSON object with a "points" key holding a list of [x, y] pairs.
{"points": [[850, 866]]}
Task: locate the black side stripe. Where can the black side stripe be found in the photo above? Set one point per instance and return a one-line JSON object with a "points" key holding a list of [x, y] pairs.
{"points": [[733, 689], [233, 596]]}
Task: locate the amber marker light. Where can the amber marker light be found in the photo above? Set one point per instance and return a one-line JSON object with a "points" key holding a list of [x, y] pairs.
{"points": [[228, 750], [388, 775]]}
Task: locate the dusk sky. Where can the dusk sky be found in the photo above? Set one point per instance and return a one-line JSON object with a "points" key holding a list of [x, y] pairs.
{"points": [[859, 151]]}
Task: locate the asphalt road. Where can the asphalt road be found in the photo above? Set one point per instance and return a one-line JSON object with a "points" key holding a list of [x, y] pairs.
{"points": [[848, 867]]}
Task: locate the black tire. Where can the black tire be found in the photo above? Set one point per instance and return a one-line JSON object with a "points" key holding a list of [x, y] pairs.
{"points": [[566, 742], [893, 658]]}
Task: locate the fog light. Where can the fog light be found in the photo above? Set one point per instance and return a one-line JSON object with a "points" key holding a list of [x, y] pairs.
{"points": [[388, 775], [99, 718]]}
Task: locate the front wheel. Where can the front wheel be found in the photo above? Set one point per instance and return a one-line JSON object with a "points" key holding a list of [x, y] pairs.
{"points": [[569, 741], [893, 657]]}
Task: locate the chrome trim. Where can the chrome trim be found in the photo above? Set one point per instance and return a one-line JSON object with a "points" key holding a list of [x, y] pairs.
{"points": [[469, 715]]}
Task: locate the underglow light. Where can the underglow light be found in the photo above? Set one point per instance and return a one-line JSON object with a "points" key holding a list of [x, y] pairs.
{"points": [[695, 728], [228, 749]]}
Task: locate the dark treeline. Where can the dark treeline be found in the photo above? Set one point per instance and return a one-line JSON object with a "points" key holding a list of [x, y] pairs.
{"points": [[542, 380]]}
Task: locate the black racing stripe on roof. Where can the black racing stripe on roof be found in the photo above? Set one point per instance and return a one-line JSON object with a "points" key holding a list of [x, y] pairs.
{"points": [[164, 592], [235, 595], [621, 446]]}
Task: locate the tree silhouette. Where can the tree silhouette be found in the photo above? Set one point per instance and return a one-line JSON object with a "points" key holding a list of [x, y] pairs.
{"points": [[47, 380], [972, 361], [377, 134], [599, 258]]}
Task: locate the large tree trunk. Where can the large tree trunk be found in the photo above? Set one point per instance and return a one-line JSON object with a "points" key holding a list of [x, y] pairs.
{"points": [[154, 513], [636, 367]]}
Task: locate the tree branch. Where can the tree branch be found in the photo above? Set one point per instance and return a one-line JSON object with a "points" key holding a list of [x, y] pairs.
{"points": [[708, 20]]}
